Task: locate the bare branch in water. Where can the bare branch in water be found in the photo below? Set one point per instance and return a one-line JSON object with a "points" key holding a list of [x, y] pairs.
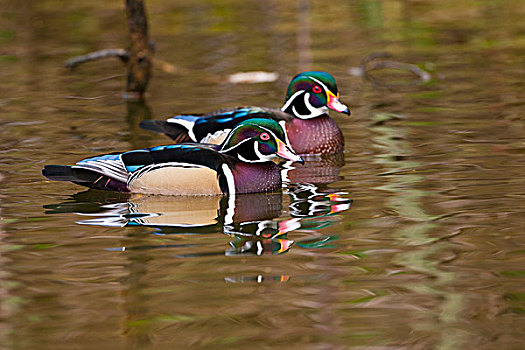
{"points": [[138, 57], [83, 98], [92, 56]]}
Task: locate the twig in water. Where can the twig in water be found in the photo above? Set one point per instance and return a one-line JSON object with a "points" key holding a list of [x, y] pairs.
{"points": [[83, 98], [75, 61]]}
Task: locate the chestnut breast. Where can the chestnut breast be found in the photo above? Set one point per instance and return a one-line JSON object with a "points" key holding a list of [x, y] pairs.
{"points": [[256, 177], [319, 135]]}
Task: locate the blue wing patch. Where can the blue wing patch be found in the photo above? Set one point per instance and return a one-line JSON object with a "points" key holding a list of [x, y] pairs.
{"points": [[161, 148], [224, 120], [133, 168], [113, 157], [201, 126], [187, 117]]}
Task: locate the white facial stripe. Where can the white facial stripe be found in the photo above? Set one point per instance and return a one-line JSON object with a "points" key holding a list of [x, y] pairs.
{"points": [[318, 111], [244, 159], [271, 132], [245, 140], [290, 100], [234, 146], [262, 157], [314, 112], [229, 137], [320, 83]]}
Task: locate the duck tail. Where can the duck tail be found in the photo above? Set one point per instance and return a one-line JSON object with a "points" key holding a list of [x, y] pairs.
{"points": [[176, 132], [83, 177]]}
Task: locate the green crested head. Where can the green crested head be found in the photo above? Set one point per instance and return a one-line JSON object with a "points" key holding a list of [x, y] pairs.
{"points": [[258, 140], [252, 129], [311, 94], [307, 80]]}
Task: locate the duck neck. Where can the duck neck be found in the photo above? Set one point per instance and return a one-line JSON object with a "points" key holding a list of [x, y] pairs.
{"points": [[256, 177]]}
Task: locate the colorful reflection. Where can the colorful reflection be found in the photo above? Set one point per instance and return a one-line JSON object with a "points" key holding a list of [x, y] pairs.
{"points": [[257, 224]]}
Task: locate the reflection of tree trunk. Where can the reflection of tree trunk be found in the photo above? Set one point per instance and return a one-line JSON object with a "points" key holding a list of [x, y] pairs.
{"points": [[416, 232], [5, 308], [136, 328], [137, 112], [139, 53], [303, 35]]}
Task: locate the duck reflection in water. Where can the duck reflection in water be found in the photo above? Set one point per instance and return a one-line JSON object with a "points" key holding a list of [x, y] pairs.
{"points": [[257, 223], [318, 169]]}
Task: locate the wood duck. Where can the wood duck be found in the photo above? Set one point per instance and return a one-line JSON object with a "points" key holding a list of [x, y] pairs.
{"points": [[310, 129], [243, 163]]}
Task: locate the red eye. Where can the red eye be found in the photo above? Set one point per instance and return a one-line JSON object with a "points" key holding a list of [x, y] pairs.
{"points": [[265, 137], [317, 89]]}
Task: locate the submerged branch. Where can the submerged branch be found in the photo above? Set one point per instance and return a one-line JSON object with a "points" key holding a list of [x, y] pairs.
{"points": [[380, 60], [92, 56], [138, 57]]}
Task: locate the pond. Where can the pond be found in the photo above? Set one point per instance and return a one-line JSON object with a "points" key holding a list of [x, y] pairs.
{"points": [[412, 239]]}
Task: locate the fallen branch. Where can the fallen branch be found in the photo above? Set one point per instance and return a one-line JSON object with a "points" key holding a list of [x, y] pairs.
{"points": [[92, 56]]}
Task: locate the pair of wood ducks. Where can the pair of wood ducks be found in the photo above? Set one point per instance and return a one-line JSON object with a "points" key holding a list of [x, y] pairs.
{"points": [[227, 151]]}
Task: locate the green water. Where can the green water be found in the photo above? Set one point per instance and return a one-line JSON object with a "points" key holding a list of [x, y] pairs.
{"points": [[413, 241]]}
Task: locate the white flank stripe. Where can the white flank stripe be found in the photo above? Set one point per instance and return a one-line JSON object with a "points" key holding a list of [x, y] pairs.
{"points": [[230, 211], [229, 179]]}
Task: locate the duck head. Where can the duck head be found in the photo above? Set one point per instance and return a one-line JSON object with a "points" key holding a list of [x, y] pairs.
{"points": [[258, 140], [311, 94]]}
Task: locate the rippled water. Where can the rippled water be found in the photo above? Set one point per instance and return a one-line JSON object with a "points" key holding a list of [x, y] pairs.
{"points": [[413, 241]]}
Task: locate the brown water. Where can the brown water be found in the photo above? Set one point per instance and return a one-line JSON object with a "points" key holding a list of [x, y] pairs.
{"points": [[415, 241]]}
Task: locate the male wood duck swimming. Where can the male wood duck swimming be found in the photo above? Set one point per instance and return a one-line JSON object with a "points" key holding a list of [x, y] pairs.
{"points": [[310, 129], [241, 164]]}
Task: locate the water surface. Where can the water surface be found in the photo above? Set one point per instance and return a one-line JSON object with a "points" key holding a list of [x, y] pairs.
{"points": [[414, 240]]}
